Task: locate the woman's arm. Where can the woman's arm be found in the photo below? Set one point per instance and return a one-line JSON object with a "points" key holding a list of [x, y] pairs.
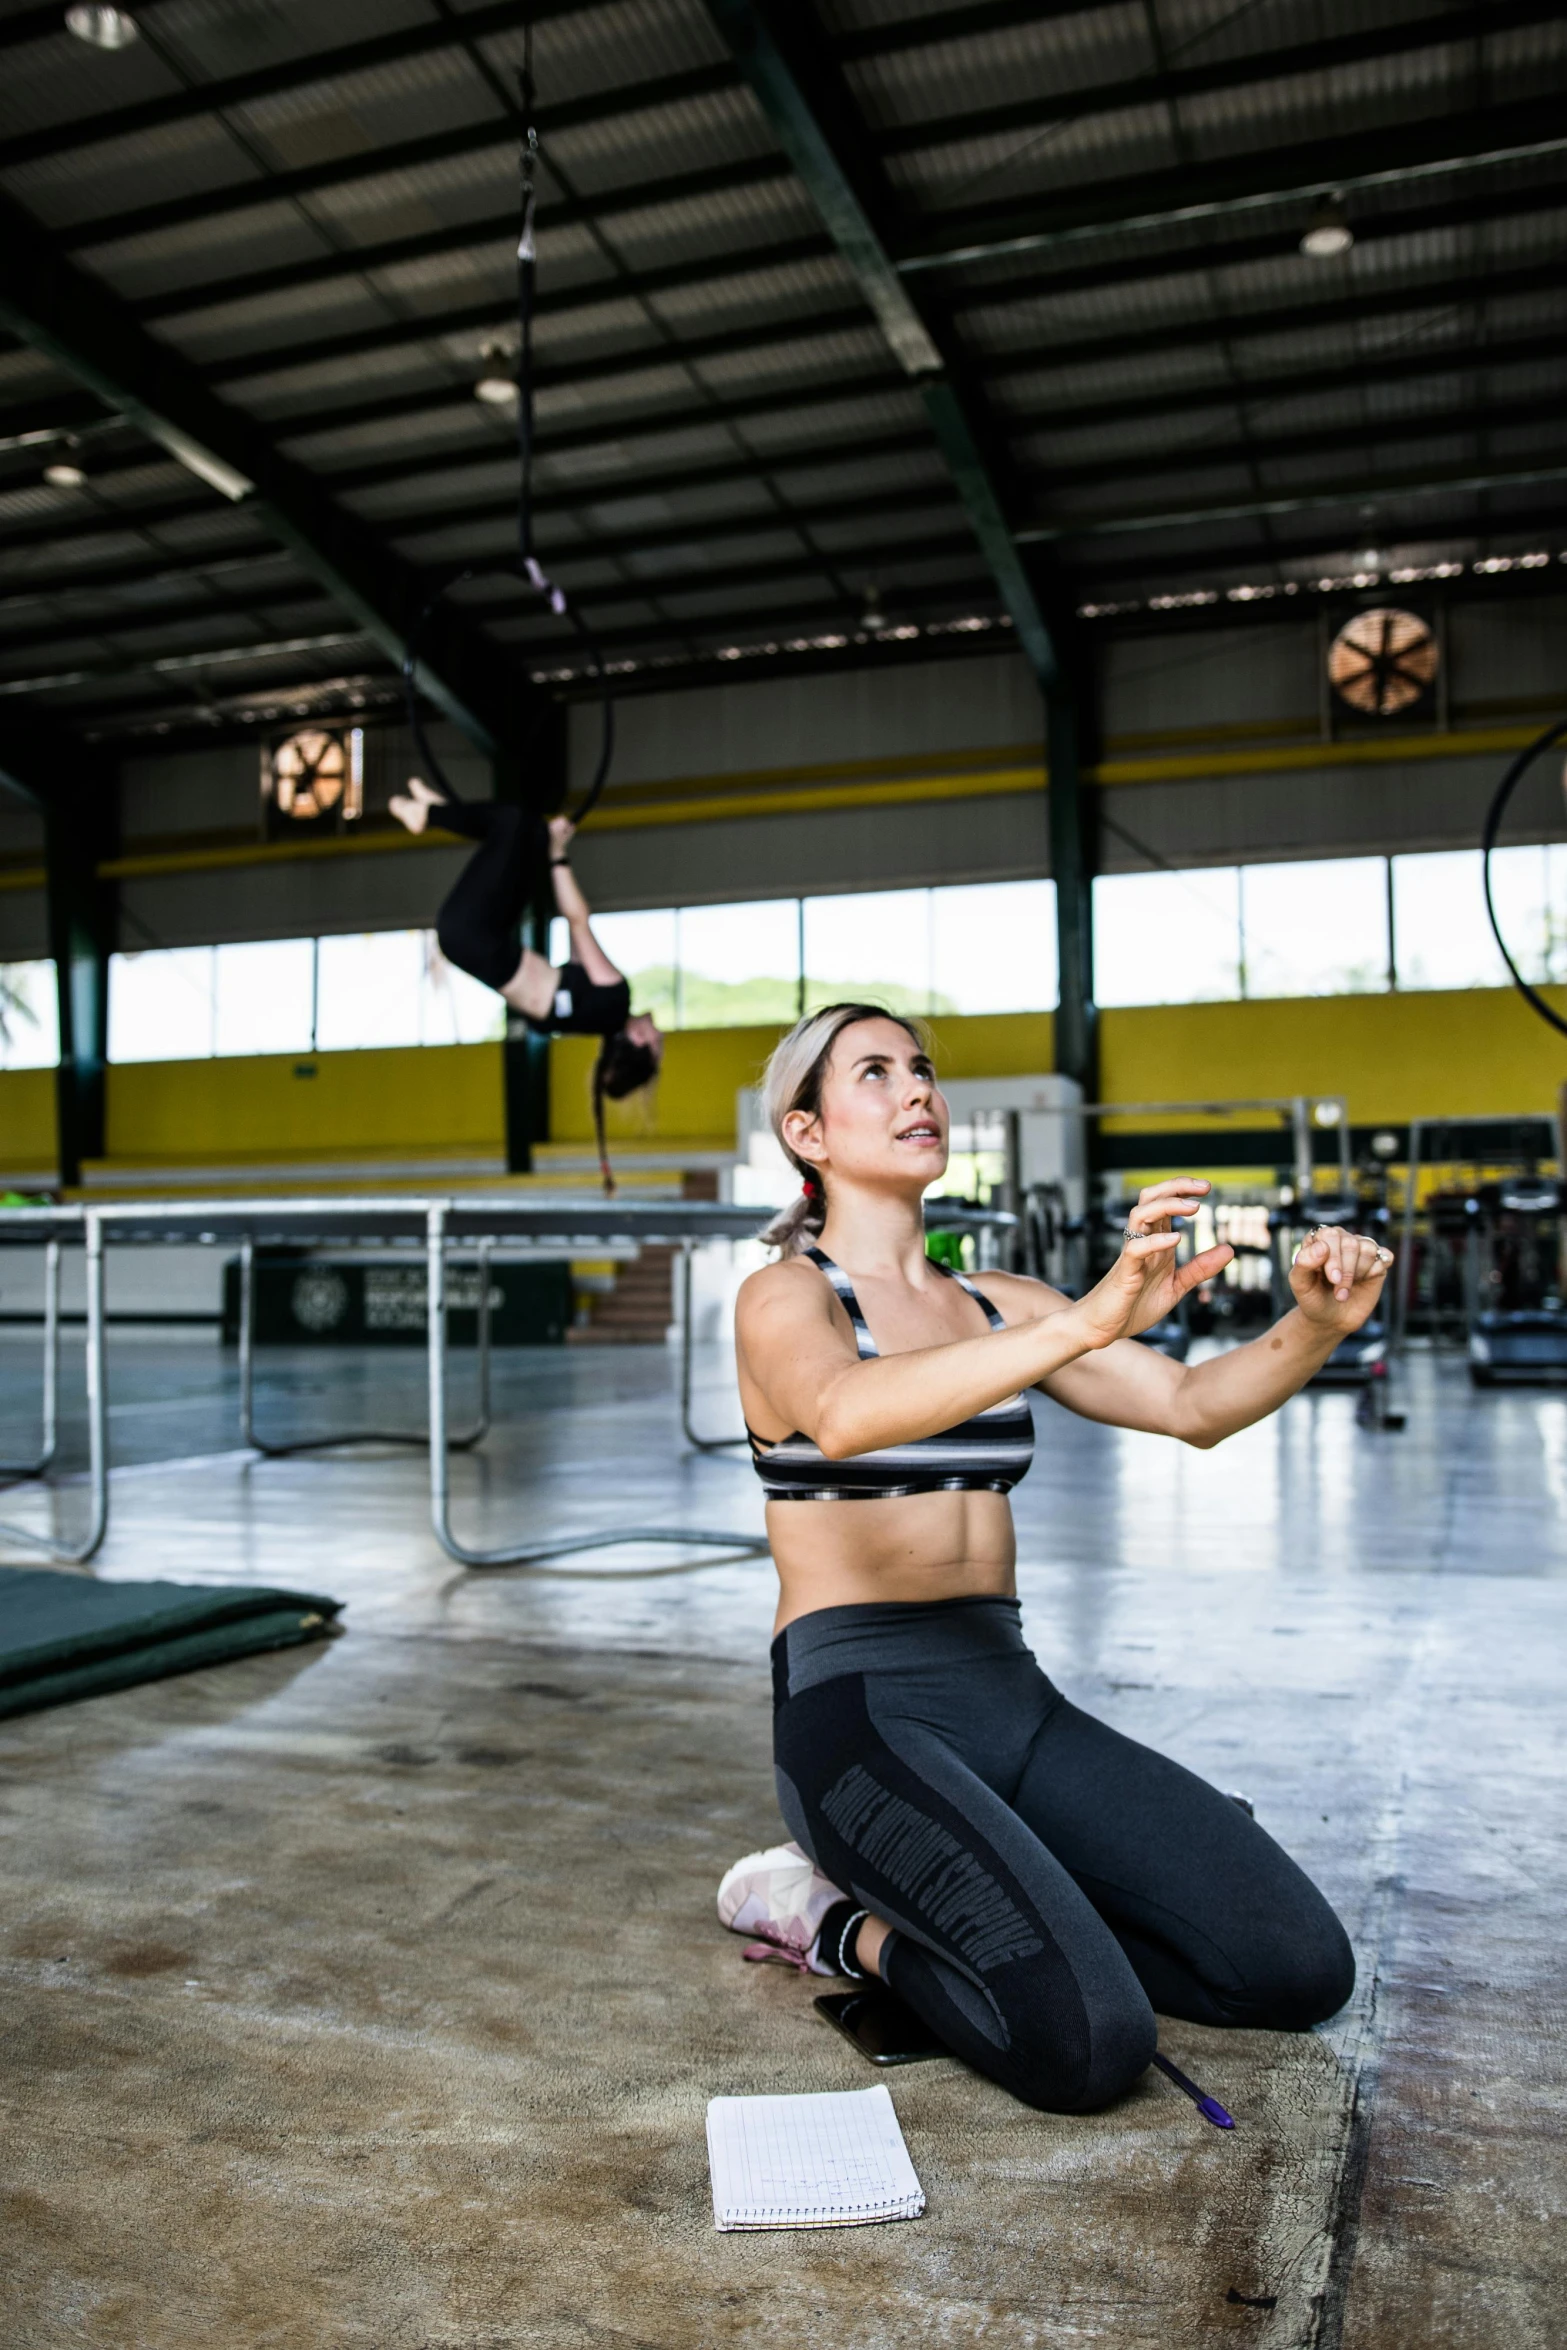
{"points": [[574, 908], [1337, 1279], [799, 1361]]}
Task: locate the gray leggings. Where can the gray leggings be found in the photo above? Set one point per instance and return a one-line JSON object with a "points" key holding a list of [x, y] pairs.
{"points": [[1050, 1884]]}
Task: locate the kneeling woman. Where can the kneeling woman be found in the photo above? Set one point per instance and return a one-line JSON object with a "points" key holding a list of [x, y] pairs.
{"points": [[1030, 1882], [477, 930]]}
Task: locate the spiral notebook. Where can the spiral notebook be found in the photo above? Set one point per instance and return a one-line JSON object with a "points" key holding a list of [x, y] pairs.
{"points": [[835, 2160]]}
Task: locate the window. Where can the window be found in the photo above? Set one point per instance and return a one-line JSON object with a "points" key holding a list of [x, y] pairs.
{"points": [[294, 995], [161, 1005], [1167, 938], [871, 943], [263, 996], [1441, 936], [29, 1016], [370, 990], [738, 966], [1314, 929], [645, 947], [458, 1009], [993, 947]]}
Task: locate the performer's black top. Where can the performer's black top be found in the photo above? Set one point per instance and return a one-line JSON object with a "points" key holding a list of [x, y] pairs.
{"points": [[581, 1009]]}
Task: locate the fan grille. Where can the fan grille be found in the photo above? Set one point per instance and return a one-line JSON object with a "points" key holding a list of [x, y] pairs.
{"points": [[1382, 661]]}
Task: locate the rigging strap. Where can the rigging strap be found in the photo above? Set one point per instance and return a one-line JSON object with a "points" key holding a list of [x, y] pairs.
{"points": [[525, 565]]}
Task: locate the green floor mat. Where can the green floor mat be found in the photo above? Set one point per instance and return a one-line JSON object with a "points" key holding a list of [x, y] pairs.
{"points": [[66, 1636]]}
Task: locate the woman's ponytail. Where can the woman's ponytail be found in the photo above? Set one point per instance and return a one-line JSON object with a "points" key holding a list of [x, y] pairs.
{"points": [[794, 1227]]}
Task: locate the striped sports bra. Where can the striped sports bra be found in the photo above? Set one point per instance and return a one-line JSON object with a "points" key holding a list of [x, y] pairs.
{"points": [[986, 1454]]}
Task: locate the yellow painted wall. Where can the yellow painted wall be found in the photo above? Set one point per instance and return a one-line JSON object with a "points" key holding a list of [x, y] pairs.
{"points": [[1435, 1054], [27, 1129], [444, 1098], [694, 1102], [1469, 1054], [1393, 1057], [705, 1068]]}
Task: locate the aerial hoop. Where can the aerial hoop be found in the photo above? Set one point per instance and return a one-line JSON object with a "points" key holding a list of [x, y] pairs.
{"points": [[533, 576], [1493, 823], [525, 565]]}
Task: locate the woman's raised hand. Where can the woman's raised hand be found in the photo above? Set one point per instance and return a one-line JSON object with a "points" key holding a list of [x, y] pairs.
{"points": [[1145, 1283], [561, 831], [1337, 1278]]}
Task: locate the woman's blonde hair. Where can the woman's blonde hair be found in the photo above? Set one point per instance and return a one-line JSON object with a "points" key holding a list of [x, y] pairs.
{"points": [[792, 1080]]}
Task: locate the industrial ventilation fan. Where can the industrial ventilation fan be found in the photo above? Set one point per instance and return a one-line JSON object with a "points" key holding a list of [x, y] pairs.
{"points": [[1382, 661]]}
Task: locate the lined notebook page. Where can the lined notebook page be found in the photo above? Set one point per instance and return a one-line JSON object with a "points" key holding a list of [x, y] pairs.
{"points": [[835, 2160]]}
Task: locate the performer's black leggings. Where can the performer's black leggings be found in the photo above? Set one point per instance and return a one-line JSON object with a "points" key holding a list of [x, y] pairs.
{"points": [[1050, 1884], [477, 925]]}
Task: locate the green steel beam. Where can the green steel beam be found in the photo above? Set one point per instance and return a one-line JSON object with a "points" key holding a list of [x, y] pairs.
{"points": [[821, 137], [73, 786], [802, 93]]}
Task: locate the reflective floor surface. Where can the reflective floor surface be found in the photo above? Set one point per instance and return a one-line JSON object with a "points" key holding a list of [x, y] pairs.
{"points": [[372, 1995]]}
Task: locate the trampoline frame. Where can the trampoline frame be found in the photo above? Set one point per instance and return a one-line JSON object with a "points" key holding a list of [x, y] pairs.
{"points": [[435, 1226]]}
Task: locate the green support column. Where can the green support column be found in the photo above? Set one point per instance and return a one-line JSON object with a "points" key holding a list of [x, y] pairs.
{"points": [[80, 830], [1073, 855]]}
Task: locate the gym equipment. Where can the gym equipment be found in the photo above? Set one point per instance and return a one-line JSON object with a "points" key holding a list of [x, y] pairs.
{"points": [[1441, 1250], [1518, 1324]]}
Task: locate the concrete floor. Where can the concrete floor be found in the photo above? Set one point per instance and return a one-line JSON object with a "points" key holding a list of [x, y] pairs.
{"points": [[372, 1995]]}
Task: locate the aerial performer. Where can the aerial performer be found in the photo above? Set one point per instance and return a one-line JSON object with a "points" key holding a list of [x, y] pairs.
{"points": [[477, 930], [1033, 1884]]}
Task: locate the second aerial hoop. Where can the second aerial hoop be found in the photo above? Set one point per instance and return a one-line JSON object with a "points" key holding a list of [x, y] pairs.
{"points": [[1493, 824]]}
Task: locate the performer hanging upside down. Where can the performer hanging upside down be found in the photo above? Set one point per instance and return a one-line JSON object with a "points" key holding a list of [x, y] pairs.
{"points": [[1032, 1883], [477, 930]]}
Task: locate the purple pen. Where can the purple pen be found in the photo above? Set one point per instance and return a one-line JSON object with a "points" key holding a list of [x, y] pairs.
{"points": [[1209, 2107]]}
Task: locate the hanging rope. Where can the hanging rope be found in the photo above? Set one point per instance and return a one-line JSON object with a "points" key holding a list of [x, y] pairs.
{"points": [[525, 565], [1493, 824]]}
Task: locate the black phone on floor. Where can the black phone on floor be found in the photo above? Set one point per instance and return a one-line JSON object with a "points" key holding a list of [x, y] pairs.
{"points": [[881, 2027]]}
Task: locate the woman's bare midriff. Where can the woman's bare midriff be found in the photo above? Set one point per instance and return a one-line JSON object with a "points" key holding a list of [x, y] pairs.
{"points": [[925, 1546]]}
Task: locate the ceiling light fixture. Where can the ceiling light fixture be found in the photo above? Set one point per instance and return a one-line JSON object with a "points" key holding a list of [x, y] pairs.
{"points": [[64, 476], [873, 617], [1328, 232], [494, 387], [102, 28]]}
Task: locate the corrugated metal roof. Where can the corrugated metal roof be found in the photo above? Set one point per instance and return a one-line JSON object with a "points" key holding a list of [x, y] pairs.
{"points": [[635, 149], [59, 80], [221, 37], [1155, 368], [184, 159], [587, 50], [951, 173], [1045, 59], [356, 113], [205, 253], [665, 234]]}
